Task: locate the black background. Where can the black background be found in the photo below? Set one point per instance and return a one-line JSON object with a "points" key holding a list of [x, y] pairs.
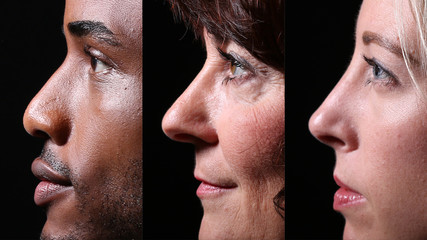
{"points": [[172, 58], [32, 46], [319, 41]]}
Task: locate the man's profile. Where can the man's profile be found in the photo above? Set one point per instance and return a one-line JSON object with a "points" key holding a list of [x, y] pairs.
{"points": [[90, 115]]}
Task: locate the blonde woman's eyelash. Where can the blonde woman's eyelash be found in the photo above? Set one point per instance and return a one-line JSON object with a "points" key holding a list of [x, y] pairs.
{"points": [[377, 70]]}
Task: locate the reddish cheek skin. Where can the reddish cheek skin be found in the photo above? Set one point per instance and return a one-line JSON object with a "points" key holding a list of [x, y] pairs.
{"points": [[250, 138]]}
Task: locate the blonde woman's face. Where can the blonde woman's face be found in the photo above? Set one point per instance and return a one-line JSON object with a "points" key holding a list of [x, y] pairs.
{"points": [[377, 124]]}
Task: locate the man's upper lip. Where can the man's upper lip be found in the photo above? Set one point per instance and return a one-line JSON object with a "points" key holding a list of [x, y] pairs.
{"points": [[44, 172], [341, 184]]}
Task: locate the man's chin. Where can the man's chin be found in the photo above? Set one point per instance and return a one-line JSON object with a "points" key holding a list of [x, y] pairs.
{"points": [[81, 228], [56, 231]]}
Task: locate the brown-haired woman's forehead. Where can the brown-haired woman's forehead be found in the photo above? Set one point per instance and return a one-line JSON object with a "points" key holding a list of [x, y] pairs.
{"points": [[257, 26]]}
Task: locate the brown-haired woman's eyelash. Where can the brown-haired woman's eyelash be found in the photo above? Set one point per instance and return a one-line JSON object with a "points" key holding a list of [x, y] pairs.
{"points": [[236, 59], [236, 63]]}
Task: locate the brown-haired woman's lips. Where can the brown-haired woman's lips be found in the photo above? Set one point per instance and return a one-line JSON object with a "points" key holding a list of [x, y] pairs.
{"points": [[213, 188], [52, 183], [346, 197]]}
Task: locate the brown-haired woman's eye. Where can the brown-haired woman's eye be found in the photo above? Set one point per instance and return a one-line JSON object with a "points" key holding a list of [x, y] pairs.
{"points": [[236, 68]]}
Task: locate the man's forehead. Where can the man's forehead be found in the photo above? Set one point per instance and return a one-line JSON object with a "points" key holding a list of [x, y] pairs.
{"points": [[117, 15]]}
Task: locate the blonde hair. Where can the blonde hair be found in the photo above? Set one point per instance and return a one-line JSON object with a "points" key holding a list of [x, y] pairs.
{"points": [[418, 9]]}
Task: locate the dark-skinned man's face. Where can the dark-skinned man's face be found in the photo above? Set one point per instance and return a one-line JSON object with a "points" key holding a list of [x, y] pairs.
{"points": [[90, 114]]}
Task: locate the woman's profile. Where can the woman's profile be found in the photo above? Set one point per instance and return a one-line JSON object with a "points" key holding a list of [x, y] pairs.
{"points": [[233, 113], [375, 119]]}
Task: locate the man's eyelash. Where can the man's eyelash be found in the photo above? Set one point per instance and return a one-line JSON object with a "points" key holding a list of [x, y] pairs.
{"points": [[94, 57]]}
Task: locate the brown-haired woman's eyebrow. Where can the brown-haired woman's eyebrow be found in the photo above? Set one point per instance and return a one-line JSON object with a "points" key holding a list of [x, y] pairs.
{"points": [[94, 29], [369, 37]]}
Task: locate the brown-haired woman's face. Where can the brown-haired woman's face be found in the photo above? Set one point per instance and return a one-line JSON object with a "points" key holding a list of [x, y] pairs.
{"points": [[233, 112], [90, 113], [377, 123]]}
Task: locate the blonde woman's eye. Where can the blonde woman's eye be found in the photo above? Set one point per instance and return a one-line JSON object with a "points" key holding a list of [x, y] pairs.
{"points": [[379, 73], [98, 65]]}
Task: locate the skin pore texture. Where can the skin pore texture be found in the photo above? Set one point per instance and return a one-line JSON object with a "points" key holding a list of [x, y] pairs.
{"points": [[234, 115], [90, 115], [375, 119]]}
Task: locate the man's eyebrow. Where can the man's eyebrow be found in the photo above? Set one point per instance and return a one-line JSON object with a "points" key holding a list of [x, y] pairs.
{"points": [[96, 30], [371, 37]]}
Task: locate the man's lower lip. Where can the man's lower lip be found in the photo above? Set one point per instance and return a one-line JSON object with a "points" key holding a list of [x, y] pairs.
{"points": [[47, 191], [207, 190], [344, 198]]}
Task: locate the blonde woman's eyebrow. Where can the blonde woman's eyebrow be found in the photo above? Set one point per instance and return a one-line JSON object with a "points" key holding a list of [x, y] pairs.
{"points": [[369, 37]]}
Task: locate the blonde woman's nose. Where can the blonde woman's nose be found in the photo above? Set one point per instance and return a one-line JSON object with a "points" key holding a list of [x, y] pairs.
{"points": [[334, 123]]}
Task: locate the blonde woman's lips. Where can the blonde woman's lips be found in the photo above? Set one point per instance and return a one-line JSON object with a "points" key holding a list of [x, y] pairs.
{"points": [[346, 197]]}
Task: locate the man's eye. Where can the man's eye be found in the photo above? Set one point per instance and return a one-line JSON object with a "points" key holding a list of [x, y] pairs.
{"points": [[98, 65]]}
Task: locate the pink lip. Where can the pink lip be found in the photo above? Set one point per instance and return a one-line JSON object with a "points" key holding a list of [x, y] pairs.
{"points": [[207, 189], [346, 197], [52, 184], [47, 191]]}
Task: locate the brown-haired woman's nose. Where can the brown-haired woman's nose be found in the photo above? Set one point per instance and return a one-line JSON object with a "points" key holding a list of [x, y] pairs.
{"points": [[46, 116], [333, 123], [190, 118]]}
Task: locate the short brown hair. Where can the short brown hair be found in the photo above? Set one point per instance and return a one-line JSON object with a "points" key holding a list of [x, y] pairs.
{"points": [[256, 25]]}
